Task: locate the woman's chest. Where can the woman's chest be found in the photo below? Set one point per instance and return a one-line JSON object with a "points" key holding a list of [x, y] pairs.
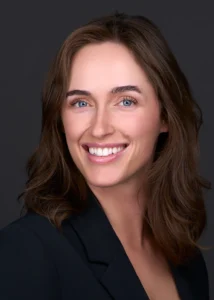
{"points": [[155, 277]]}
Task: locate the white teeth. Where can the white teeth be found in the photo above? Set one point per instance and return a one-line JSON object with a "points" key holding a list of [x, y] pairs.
{"points": [[114, 150], [105, 151]]}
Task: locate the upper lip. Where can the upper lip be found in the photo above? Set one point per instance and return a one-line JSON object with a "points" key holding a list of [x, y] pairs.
{"points": [[99, 145]]}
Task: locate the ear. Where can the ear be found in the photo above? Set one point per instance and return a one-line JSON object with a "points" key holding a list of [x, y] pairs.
{"points": [[164, 127]]}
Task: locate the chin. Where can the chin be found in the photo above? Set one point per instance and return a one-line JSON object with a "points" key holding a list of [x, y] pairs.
{"points": [[103, 182]]}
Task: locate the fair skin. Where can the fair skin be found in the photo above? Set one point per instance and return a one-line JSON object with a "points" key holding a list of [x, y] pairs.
{"points": [[104, 117], [126, 118]]}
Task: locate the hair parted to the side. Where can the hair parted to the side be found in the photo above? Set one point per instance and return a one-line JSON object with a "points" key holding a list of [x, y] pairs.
{"points": [[176, 214]]}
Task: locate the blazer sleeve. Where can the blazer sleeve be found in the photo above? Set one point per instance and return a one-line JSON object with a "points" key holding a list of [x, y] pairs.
{"points": [[26, 271]]}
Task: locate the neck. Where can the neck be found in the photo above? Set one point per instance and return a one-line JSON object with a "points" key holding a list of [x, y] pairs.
{"points": [[124, 208]]}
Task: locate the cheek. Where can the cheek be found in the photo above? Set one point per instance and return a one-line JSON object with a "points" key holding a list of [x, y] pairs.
{"points": [[73, 127], [144, 125]]}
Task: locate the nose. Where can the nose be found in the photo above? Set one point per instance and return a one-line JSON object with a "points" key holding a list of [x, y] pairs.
{"points": [[101, 124]]}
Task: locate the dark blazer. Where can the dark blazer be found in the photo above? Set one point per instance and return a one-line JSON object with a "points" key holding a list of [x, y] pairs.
{"points": [[86, 261]]}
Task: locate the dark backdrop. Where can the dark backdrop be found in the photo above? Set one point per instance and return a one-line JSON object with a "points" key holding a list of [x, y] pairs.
{"points": [[30, 34]]}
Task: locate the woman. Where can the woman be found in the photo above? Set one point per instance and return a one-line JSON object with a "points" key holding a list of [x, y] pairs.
{"points": [[114, 198]]}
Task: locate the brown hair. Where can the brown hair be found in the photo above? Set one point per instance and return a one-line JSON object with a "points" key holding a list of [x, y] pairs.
{"points": [[176, 214]]}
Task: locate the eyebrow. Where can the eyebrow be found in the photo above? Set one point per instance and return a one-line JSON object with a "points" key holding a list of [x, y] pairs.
{"points": [[115, 90]]}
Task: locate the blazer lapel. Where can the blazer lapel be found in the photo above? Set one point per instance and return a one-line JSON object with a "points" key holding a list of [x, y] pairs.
{"points": [[182, 283], [103, 247]]}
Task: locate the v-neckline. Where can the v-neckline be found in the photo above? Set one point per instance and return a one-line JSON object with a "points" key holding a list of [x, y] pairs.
{"points": [[102, 246]]}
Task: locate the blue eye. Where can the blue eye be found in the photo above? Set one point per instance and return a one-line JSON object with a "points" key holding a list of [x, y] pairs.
{"points": [[128, 102], [125, 102], [79, 103]]}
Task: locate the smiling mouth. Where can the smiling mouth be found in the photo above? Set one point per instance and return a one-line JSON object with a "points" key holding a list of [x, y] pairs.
{"points": [[105, 151]]}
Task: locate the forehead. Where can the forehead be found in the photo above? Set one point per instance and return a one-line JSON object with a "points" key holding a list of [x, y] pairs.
{"points": [[107, 64]]}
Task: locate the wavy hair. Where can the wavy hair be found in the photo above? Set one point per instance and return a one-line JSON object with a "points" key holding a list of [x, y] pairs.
{"points": [[175, 214]]}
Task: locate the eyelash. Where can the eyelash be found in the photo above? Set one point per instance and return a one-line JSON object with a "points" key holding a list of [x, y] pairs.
{"points": [[134, 101]]}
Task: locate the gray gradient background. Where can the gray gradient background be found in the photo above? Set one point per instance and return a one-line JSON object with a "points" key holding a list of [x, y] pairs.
{"points": [[31, 33]]}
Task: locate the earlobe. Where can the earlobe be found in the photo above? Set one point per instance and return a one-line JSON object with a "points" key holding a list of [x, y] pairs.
{"points": [[164, 127]]}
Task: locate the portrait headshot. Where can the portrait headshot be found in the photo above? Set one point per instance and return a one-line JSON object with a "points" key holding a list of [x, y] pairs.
{"points": [[114, 202]]}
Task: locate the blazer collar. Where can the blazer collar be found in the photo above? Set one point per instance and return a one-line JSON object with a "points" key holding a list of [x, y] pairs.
{"points": [[103, 246], [95, 232]]}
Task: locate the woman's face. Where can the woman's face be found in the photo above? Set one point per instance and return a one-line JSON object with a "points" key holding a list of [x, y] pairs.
{"points": [[118, 126]]}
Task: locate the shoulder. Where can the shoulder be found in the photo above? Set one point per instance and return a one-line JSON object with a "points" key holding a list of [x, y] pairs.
{"points": [[26, 269], [20, 234], [17, 234]]}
